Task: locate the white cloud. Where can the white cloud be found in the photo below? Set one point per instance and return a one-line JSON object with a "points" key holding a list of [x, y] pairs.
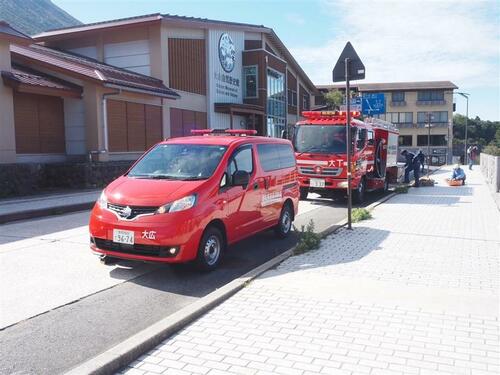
{"points": [[412, 40]]}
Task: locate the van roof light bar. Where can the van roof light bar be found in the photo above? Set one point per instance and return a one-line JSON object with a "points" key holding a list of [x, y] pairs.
{"points": [[241, 132], [236, 132]]}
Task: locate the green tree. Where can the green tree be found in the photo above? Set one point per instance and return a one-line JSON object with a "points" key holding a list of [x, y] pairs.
{"points": [[334, 99], [479, 131]]}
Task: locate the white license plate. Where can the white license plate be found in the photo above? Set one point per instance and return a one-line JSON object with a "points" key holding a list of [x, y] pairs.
{"points": [[123, 236], [317, 182]]}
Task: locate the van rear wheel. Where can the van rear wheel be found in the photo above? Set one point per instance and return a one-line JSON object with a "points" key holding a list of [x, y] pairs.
{"points": [[210, 250], [284, 226]]}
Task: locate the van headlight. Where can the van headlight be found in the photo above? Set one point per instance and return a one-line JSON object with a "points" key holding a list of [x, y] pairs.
{"points": [[178, 205], [103, 200]]}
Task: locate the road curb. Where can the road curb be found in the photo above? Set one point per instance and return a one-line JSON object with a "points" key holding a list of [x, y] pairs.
{"points": [[127, 351], [42, 212]]}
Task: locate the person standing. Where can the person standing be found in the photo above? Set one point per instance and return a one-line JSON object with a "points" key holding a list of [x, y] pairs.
{"points": [[421, 159], [409, 156], [471, 154]]}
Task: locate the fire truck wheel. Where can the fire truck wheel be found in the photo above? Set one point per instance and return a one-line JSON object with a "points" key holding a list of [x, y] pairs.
{"points": [[303, 193], [359, 193]]}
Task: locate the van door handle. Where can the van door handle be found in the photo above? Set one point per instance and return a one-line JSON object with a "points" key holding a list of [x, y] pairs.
{"points": [[255, 185]]}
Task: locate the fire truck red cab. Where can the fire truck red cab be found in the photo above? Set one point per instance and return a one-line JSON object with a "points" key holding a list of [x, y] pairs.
{"points": [[320, 150]]}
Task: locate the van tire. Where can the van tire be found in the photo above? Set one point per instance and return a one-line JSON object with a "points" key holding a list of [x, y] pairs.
{"points": [[303, 193], [108, 261], [284, 226], [358, 195], [211, 248]]}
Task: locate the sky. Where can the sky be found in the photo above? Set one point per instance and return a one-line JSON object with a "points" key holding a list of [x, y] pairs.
{"points": [[405, 40]]}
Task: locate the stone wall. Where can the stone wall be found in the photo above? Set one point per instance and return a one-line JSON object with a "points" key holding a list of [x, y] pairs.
{"points": [[26, 179], [490, 167]]}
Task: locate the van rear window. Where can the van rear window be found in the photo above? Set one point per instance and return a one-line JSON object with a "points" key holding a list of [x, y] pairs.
{"points": [[275, 156]]}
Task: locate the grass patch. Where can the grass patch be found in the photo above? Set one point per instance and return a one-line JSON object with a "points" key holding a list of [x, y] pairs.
{"points": [[308, 239], [401, 189], [359, 214]]}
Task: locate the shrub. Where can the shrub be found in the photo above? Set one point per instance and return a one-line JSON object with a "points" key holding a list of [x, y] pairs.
{"points": [[308, 239], [359, 214], [492, 149]]}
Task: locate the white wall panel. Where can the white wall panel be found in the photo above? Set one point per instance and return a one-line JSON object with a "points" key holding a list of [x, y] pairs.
{"points": [[134, 55], [182, 33]]}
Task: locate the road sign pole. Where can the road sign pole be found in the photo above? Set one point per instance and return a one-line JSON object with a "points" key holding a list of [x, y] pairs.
{"points": [[348, 146]]}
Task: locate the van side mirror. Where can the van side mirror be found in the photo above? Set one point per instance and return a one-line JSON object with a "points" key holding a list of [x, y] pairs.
{"points": [[241, 178], [284, 134]]}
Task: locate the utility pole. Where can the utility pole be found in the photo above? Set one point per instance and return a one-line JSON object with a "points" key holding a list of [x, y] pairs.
{"points": [[348, 140], [466, 96]]}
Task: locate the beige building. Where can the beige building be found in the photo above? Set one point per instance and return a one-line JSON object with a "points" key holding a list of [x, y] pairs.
{"points": [[109, 90], [411, 106]]}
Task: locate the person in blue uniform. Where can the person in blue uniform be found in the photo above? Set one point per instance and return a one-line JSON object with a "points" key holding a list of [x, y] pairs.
{"points": [[409, 156]]}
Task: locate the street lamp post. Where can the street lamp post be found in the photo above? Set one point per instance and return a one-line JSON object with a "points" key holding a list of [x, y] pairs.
{"points": [[466, 96], [429, 124]]}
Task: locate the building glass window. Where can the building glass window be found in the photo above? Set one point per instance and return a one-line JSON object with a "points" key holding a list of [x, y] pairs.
{"points": [[292, 98], [430, 96], [276, 103], [436, 117], [436, 140], [400, 117], [305, 102], [405, 140], [250, 81], [398, 96]]}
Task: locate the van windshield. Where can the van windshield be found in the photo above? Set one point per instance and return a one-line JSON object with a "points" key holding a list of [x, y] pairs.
{"points": [[323, 139], [179, 162]]}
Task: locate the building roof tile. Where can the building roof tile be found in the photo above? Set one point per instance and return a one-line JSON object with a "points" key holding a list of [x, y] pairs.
{"points": [[23, 75], [88, 68]]}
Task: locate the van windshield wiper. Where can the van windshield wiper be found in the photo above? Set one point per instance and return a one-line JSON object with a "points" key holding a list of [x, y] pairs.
{"points": [[193, 178], [153, 176]]}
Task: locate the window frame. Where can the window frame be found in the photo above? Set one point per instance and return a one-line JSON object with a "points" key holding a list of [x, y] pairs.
{"points": [[256, 81], [393, 99], [229, 178]]}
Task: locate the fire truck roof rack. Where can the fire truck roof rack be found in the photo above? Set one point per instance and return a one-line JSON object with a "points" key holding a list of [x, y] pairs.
{"points": [[235, 132], [323, 114], [381, 123]]}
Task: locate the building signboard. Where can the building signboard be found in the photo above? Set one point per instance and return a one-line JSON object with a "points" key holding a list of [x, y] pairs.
{"points": [[225, 73], [373, 104]]}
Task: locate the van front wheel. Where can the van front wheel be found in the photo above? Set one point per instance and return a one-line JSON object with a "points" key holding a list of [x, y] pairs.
{"points": [[284, 226], [210, 251]]}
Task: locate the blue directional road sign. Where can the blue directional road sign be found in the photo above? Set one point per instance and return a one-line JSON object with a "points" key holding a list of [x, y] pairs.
{"points": [[373, 104]]}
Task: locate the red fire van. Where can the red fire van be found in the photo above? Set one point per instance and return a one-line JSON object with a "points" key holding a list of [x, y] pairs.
{"points": [[187, 198]]}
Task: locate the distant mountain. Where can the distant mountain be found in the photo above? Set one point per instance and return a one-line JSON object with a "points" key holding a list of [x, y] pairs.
{"points": [[35, 16]]}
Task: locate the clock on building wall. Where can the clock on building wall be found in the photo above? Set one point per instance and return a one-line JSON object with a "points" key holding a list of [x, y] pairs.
{"points": [[227, 52]]}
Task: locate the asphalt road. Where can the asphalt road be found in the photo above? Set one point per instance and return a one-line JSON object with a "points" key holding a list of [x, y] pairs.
{"points": [[60, 306]]}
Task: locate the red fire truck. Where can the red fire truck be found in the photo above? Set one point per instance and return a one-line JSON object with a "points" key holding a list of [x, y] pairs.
{"points": [[320, 150]]}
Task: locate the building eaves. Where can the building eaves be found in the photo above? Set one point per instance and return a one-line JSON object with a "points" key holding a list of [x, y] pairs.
{"points": [[49, 34], [93, 70], [25, 76], [13, 35]]}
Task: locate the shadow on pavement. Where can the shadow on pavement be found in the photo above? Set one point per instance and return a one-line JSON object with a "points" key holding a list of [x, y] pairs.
{"points": [[342, 247], [185, 279]]}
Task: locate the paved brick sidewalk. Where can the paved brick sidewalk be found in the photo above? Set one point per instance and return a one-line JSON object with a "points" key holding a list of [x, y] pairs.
{"points": [[413, 291]]}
